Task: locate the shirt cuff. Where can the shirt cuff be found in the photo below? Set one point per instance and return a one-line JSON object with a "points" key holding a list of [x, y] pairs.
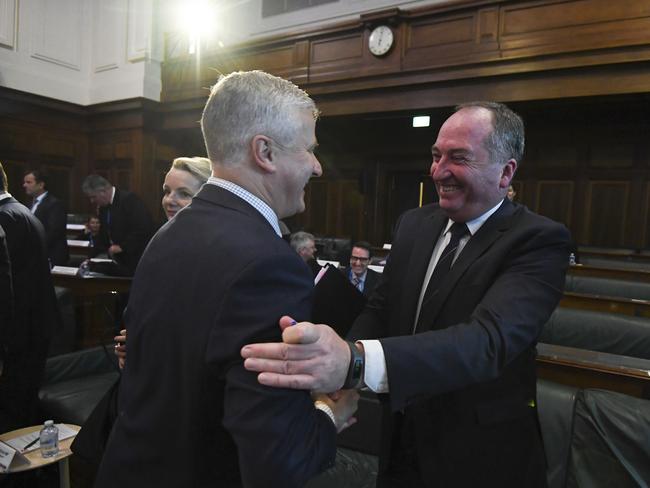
{"points": [[375, 376]]}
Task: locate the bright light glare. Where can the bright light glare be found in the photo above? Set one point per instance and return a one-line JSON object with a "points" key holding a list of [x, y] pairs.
{"points": [[421, 121], [196, 18]]}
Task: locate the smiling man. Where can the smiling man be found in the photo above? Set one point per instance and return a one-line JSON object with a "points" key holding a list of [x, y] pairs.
{"points": [[216, 276], [450, 331]]}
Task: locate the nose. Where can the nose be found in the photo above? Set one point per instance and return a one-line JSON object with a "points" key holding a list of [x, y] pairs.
{"points": [[438, 170], [318, 169]]}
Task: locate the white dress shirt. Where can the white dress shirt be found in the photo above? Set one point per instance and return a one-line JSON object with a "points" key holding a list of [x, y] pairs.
{"points": [[37, 202], [375, 374]]}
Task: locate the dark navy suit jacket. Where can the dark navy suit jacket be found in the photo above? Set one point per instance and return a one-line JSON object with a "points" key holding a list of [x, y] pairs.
{"points": [[25, 337], [51, 213], [466, 381], [127, 222], [214, 278]]}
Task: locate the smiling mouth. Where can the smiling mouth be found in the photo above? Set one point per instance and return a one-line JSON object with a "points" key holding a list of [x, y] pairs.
{"points": [[448, 188]]}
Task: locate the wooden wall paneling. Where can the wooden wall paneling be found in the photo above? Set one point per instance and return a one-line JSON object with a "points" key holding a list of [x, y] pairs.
{"points": [[451, 39], [314, 219], [186, 78], [646, 221], [606, 212], [15, 170], [350, 213], [555, 200], [546, 27]]}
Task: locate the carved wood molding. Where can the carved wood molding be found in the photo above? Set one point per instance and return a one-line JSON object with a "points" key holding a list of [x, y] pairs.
{"points": [[491, 41]]}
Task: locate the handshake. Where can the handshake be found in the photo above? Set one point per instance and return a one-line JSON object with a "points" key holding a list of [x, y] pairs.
{"points": [[312, 357]]}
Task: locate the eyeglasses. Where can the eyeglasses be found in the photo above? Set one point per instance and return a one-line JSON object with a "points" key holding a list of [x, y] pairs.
{"points": [[360, 259]]}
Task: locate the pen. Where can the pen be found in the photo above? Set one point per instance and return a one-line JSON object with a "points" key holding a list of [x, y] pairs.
{"points": [[31, 444]]}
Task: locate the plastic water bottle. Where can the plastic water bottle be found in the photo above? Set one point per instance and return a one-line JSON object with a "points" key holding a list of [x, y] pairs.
{"points": [[49, 439], [84, 269]]}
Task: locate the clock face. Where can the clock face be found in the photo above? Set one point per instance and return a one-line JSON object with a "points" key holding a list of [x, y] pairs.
{"points": [[380, 40]]}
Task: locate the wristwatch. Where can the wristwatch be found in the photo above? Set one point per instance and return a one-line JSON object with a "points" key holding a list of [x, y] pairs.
{"points": [[354, 378]]}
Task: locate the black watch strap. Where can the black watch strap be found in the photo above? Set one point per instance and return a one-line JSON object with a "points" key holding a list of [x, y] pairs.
{"points": [[354, 378]]}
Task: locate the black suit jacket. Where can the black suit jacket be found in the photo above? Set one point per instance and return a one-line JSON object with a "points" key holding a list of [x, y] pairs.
{"points": [[214, 278], [51, 213], [128, 223], [466, 379], [35, 315]]}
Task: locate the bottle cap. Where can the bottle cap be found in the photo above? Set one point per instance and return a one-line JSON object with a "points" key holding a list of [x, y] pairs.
{"points": [[49, 422]]}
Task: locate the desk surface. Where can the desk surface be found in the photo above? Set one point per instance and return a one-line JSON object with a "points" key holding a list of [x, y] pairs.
{"points": [[92, 285], [34, 457]]}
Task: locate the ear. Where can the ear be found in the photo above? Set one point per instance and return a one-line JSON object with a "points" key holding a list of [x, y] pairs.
{"points": [[507, 173], [263, 153]]}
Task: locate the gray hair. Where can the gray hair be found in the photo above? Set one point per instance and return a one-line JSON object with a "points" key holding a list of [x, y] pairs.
{"points": [[200, 168], [507, 139], [300, 240], [94, 183], [244, 104]]}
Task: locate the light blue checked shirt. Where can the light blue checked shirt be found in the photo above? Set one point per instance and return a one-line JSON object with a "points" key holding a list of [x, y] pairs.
{"points": [[266, 211]]}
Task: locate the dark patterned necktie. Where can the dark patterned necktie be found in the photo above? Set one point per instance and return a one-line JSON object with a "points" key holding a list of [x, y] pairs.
{"points": [[458, 231]]}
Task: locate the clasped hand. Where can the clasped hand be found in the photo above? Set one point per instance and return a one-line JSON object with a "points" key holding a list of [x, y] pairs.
{"points": [[311, 357]]}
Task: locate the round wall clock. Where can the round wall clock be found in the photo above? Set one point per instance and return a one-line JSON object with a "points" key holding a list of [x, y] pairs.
{"points": [[381, 40]]}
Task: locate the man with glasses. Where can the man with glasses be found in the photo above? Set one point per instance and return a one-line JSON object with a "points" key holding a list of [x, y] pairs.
{"points": [[364, 279]]}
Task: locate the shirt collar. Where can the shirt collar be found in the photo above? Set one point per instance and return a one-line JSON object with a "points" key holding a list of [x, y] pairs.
{"points": [[475, 224], [112, 194], [39, 198], [5, 195], [258, 204]]}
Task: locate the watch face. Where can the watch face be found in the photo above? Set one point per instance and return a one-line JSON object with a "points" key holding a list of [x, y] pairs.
{"points": [[380, 40]]}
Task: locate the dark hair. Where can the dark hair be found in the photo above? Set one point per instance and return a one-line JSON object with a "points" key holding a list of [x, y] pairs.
{"points": [[39, 175], [3, 179], [507, 139], [363, 245]]}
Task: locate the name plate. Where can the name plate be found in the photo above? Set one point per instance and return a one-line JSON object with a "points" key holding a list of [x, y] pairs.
{"points": [[10, 457]]}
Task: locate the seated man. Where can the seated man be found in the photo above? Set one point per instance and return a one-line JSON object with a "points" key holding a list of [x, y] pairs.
{"points": [[304, 244], [363, 278]]}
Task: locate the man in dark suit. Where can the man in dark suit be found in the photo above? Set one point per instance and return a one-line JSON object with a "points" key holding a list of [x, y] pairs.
{"points": [[467, 288], [215, 277], [25, 338], [51, 212], [362, 277], [125, 220]]}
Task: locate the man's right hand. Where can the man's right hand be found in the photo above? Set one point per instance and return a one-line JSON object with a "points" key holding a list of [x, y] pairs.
{"points": [[311, 357], [343, 404]]}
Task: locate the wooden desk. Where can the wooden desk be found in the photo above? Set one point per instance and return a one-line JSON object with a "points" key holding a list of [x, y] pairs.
{"points": [[618, 254], [640, 275], [591, 369], [89, 286], [36, 460], [96, 304], [624, 306]]}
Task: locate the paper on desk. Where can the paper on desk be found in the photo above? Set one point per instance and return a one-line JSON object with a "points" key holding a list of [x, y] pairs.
{"points": [[20, 442], [64, 270], [100, 260], [78, 243]]}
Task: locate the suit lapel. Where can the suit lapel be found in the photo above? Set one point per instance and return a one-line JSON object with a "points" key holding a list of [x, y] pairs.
{"points": [[430, 230], [490, 231]]}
